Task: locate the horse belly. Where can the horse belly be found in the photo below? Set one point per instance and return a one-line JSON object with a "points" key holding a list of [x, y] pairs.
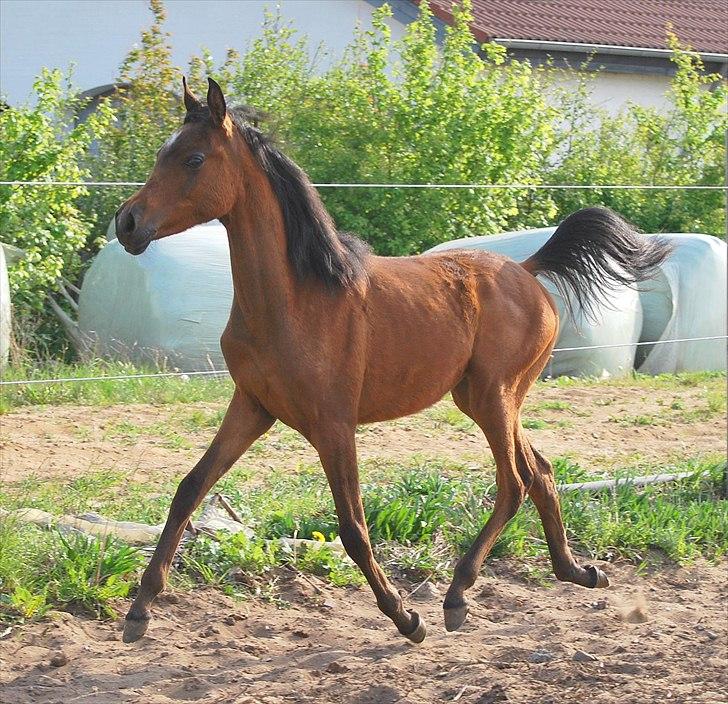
{"points": [[410, 369]]}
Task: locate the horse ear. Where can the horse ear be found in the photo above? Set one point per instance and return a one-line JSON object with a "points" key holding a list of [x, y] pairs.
{"points": [[191, 101], [216, 102]]}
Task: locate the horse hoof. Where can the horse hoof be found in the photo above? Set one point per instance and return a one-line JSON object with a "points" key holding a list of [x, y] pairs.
{"points": [[134, 629], [418, 633], [599, 579], [455, 616]]}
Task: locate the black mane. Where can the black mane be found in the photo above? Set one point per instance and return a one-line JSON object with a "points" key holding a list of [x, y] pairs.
{"points": [[314, 246]]}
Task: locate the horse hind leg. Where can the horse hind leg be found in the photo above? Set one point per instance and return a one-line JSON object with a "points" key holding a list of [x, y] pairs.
{"points": [[544, 495], [497, 414]]}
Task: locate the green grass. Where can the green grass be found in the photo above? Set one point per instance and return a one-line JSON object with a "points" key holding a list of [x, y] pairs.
{"points": [[43, 569], [130, 433], [176, 390], [451, 416], [422, 512], [714, 404], [104, 393], [639, 420], [420, 522], [682, 380], [541, 424]]}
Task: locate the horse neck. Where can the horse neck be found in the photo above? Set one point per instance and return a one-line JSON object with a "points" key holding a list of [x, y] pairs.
{"points": [[263, 279]]}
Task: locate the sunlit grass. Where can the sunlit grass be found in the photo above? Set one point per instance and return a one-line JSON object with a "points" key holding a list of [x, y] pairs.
{"points": [[207, 388]]}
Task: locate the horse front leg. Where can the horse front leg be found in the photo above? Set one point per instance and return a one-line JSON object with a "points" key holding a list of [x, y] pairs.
{"points": [[337, 450], [244, 422]]}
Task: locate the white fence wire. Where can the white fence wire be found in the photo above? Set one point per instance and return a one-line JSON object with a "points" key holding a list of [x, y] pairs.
{"points": [[224, 372], [471, 186]]}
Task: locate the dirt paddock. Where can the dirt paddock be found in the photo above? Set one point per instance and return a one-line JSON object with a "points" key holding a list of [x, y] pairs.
{"points": [[601, 427], [653, 636]]}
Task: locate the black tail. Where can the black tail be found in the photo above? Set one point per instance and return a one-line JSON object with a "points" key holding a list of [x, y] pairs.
{"points": [[593, 251]]}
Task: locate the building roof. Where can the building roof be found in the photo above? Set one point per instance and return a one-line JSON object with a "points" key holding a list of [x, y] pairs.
{"points": [[702, 24]]}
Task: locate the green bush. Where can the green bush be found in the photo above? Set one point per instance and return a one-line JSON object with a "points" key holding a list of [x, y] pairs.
{"points": [[446, 116], [41, 569], [147, 111], [40, 142], [683, 145]]}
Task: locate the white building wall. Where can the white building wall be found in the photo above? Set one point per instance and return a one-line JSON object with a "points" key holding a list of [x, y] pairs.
{"points": [[612, 91], [96, 35]]}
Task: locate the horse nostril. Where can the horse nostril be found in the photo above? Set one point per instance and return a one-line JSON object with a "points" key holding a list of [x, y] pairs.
{"points": [[124, 221]]}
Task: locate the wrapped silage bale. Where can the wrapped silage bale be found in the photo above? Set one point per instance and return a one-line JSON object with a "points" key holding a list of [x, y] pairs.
{"points": [[172, 303], [686, 300], [618, 321], [168, 305]]}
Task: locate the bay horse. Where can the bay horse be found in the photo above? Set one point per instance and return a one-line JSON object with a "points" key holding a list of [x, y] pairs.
{"points": [[325, 335]]}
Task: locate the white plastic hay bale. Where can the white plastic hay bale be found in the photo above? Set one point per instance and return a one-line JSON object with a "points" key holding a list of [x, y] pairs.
{"points": [[618, 321], [172, 303], [687, 299], [169, 304]]}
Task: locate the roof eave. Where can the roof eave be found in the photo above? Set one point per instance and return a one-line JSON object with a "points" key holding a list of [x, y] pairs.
{"points": [[542, 45]]}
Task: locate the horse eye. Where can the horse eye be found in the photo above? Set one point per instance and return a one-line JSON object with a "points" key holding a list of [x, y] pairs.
{"points": [[195, 161]]}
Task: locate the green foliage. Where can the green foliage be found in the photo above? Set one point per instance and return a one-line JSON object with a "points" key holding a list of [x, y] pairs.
{"points": [[325, 562], [147, 111], [106, 392], [88, 573], [450, 117], [40, 142], [27, 604], [640, 145], [230, 559], [40, 569], [433, 521], [411, 510], [684, 519], [406, 111]]}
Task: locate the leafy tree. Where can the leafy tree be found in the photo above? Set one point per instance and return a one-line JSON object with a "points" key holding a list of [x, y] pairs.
{"points": [[449, 116], [147, 111], [408, 111], [639, 145], [40, 142]]}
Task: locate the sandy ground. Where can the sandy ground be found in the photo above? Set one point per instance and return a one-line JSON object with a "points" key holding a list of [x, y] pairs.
{"points": [[63, 442], [657, 638]]}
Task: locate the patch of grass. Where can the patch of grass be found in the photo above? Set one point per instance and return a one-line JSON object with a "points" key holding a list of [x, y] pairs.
{"points": [[238, 564], [327, 563], [677, 381], [640, 420], [131, 433], [103, 393], [43, 569], [685, 519], [421, 519], [541, 424], [111, 493], [199, 418], [212, 388], [550, 406], [448, 414], [229, 559], [715, 404]]}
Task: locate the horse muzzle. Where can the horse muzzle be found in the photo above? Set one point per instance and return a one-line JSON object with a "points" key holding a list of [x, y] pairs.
{"points": [[133, 235]]}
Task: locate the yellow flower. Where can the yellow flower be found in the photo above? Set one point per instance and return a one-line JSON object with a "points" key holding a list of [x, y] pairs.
{"points": [[318, 536]]}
